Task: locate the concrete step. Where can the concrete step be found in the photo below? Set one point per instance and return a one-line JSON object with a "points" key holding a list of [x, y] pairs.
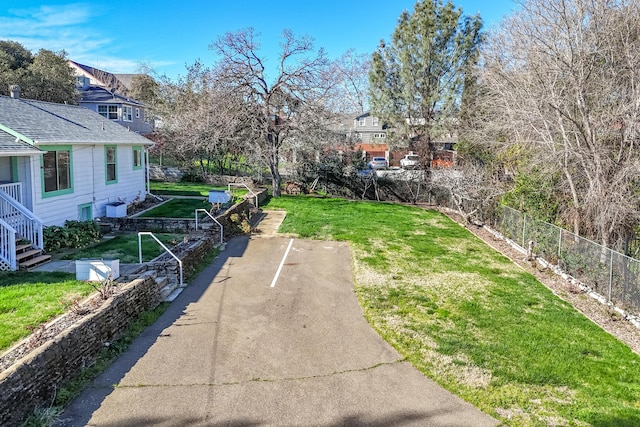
{"points": [[166, 288], [161, 281], [35, 261], [173, 295]]}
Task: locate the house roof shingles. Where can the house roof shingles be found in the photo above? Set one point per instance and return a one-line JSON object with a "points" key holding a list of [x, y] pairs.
{"points": [[50, 123], [102, 95], [10, 145]]}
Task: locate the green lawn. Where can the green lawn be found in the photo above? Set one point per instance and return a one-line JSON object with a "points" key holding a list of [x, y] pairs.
{"points": [[472, 320], [125, 248], [190, 189], [177, 208], [28, 299]]}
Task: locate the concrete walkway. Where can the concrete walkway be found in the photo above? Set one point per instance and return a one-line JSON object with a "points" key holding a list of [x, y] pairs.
{"points": [[270, 334]]}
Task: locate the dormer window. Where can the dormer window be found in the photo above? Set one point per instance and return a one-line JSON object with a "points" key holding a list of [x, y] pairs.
{"points": [[108, 111], [127, 113]]}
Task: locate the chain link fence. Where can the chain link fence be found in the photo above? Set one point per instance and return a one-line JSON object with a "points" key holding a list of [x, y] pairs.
{"points": [[608, 273]]}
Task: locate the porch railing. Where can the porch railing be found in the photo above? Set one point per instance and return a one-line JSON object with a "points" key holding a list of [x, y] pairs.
{"points": [[13, 189], [25, 223], [7, 247]]}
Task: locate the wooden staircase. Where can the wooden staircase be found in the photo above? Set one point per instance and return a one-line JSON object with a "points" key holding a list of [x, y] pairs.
{"points": [[28, 256]]}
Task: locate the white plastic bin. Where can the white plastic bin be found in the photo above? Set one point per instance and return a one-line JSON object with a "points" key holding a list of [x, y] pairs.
{"points": [[116, 210], [97, 269]]}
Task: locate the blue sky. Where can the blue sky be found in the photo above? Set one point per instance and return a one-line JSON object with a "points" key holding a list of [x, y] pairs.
{"points": [[118, 36]]}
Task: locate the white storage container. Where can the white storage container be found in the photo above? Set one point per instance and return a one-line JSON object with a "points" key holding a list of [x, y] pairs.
{"points": [[97, 269], [116, 210]]}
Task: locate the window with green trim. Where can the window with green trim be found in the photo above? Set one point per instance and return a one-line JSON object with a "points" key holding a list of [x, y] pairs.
{"points": [[111, 164], [85, 212], [137, 157], [56, 170]]}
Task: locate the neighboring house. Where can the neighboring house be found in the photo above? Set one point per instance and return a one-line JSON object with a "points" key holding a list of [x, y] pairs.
{"points": [[106, 94], [61, 162], [368, 129]]}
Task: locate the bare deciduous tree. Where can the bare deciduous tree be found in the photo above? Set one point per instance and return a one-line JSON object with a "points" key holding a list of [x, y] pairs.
{"points": [[275, 110], [200, 118], [561, 80], [351, 91]]}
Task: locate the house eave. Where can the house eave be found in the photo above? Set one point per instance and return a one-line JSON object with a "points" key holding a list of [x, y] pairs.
{"points": [[27, 153]]}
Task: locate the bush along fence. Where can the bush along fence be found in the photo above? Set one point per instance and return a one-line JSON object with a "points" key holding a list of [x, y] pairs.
{"points": [[611, 275]]}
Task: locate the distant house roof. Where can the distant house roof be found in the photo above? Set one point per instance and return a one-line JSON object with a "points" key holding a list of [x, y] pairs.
{"points": [[99, 94], [49, 123], [103, 78]]}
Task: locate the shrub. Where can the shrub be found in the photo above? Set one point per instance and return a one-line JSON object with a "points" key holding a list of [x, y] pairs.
{"points": [[74, 234], [239, 223]]}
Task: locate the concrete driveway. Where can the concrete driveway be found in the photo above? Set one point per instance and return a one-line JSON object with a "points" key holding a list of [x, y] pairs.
{"points": [[270, 334]]}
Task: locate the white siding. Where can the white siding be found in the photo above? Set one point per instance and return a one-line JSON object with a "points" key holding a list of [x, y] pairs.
{"points": [[89, 185], [25, 166]]}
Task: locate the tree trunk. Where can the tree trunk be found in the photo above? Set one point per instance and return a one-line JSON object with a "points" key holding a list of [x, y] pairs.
{"points": [[276, 180]]}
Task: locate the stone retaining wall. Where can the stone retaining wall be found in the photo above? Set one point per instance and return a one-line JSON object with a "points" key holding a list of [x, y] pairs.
{"points": [[35, 379]]}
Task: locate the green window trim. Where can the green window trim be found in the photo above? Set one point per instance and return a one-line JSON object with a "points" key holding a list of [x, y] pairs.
{"points": [[110, 164], [85, 207], [56, 149], [137, 157]]}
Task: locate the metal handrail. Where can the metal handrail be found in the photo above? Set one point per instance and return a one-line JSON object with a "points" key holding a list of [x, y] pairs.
{"points": [[215, 220], [148, 233], [238, 184], [8, 245]]}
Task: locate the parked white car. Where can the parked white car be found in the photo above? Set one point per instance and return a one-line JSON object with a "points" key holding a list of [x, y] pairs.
{"points": [[409, 161]]}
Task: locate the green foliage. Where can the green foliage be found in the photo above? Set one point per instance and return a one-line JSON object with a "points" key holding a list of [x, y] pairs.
{"points": [[534, 194], [240, 224], [51, 78], [42, 417], [74, 234], [420, 75], [45, 76]]}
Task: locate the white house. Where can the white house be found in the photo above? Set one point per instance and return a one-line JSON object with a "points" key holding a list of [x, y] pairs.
{"points": [[61, 162]]}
